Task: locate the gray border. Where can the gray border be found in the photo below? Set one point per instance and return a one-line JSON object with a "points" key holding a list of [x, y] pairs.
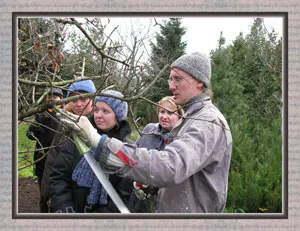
{"points": [[283, 215]]}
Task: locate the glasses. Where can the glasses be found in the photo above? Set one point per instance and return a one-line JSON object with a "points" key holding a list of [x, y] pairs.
{"points": [[177, 81]]}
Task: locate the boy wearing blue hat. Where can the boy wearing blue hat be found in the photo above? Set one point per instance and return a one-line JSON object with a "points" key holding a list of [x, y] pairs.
{"points": [[82, 106]]}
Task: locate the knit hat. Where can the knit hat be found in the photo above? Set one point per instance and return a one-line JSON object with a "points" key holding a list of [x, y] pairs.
{"points": [[197, 65], [120, 107], [55, 91], [84, 85]]}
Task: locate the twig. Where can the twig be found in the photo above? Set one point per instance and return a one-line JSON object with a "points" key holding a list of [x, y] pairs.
{"points": [[150, 85], [101, 52], [134, 122]]}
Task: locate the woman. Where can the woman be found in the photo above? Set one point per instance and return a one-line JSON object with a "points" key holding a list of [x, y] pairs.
{"points": [[73, 186], [154, 136]]}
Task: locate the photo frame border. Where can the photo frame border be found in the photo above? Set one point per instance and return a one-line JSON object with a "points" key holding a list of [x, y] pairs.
{"points": [[283, 215]]}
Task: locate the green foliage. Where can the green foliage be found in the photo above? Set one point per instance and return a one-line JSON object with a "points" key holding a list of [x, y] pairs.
{"points": [[147, 112], [255, 176], [246, 80], [166, 49], [25, 147], [134, 135]]}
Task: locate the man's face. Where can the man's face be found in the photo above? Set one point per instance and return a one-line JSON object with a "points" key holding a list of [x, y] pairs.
{"points": [[183, 86], [52, 97], [81, 106]]}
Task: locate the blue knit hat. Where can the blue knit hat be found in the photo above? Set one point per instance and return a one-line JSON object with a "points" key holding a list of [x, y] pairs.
{"points": [[84, 85], [120, 107]]}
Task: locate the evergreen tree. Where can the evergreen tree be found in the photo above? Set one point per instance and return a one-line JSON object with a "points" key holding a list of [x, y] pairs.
{"points": [[246, 80], [166, 49], [169, 46]]}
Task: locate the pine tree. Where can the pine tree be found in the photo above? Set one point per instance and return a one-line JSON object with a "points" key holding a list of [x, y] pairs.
{"points": [[169, 46], [246, 80]]}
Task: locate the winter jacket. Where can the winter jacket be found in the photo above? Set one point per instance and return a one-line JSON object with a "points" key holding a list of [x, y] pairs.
{"points": [[66, 196], [192, 170], [152, 138], [57, 143], [44, 133]]}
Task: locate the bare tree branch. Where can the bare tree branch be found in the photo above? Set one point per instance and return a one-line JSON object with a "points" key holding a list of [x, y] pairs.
{"points": [[60, 83], [93, 43], [149, 86]]}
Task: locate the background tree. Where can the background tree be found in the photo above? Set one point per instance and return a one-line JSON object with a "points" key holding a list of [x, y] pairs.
{"points": [[246, 81], [67, 50], [168, 46]]}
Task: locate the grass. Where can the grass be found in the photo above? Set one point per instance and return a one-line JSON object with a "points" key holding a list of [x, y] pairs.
{"points": [[27, 146], [25, 152]]}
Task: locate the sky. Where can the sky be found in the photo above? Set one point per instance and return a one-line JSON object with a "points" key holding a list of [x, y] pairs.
{"points": [[202, 33]]}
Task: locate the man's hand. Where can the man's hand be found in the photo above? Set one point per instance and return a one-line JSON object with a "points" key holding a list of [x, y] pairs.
{"points": [[81, 126]]}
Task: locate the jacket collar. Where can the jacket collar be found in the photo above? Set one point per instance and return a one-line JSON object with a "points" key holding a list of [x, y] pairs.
{"points": [[196, 103]]}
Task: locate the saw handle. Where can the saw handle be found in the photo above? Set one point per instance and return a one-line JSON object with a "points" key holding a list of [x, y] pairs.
{"points": [[80, 144]]}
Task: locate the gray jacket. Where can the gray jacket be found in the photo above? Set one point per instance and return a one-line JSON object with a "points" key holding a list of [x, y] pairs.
{"points": [[152, 137], [192, 170]]}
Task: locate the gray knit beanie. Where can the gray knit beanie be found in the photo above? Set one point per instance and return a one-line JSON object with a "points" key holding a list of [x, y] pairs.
{"points": [[197, 65], [55, 91], [120, 107]]}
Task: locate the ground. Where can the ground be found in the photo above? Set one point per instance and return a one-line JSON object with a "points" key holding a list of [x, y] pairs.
{"points": [[28, 195]]}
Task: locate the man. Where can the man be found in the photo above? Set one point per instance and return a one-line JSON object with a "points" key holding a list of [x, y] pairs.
{"points": [[43, 131], [192, 170], [81, 106]]}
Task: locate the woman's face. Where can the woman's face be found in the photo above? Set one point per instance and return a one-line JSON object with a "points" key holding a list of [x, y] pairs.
{"points": [[104, 116], [167, 120]]}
